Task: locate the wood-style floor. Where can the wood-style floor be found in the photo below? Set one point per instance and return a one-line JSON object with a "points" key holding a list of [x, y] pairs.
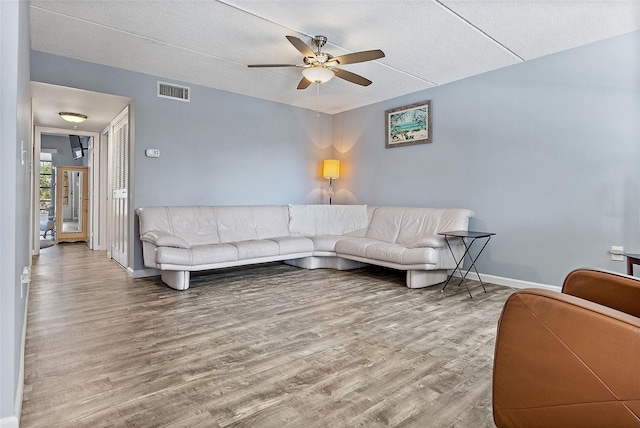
{"points": [[260, 346]]}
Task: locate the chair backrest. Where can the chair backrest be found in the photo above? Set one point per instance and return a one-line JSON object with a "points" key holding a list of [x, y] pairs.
{"points": [[563, 361], [611, 289]]}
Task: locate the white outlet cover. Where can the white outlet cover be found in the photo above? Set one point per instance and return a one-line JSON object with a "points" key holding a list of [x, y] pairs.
{"points": [[152, 153]]}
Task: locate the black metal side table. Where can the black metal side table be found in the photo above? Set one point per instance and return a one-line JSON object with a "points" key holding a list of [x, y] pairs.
{"points": [[472, 237], [632, 259]]}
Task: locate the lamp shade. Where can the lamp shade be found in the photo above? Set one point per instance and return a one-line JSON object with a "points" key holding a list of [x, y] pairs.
{"points": [[318, 74], [331, 168], [73, 117]]}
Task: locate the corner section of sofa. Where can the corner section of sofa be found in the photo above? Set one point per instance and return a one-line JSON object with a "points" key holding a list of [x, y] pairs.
{"points": [[179, 240]]}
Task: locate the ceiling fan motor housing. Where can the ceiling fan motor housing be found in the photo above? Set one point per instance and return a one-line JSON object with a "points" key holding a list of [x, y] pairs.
{"points": [[319, 41]]}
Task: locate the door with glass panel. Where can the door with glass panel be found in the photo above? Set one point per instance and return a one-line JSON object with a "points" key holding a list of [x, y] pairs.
{"points": [[72, 203]]}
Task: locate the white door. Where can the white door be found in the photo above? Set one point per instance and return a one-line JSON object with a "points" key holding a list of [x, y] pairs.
{"points": [[119, 172]]}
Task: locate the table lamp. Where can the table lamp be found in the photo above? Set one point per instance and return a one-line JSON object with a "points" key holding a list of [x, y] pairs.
{"points": [[331, 170]]}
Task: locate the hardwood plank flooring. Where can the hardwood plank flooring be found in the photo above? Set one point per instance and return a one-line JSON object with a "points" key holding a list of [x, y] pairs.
{"points": [[258, 346]]}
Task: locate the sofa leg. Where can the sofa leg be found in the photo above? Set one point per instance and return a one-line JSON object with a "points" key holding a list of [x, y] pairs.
{"points": [[325, 262], [178, 280], [425, 278]]}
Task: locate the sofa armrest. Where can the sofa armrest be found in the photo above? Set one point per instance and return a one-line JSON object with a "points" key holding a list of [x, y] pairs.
{"points": [[614, 290], [164, 239], [566, 362], [433, 241]]}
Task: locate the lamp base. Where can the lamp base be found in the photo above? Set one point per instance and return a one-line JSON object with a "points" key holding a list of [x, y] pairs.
{"points": [[330, 190]]}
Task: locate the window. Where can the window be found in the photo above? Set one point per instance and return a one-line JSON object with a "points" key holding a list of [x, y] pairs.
{"points": [[46, 185]]}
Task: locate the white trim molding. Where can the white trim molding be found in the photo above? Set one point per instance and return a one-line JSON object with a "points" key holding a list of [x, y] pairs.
{"points": [[143, 273], [9, 422], [510, 282], [493, 279], [14, 420]]}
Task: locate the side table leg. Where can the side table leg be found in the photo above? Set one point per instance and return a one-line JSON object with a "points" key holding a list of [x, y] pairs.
{"points": [[457, 264], [457, 268], [473, 263]]}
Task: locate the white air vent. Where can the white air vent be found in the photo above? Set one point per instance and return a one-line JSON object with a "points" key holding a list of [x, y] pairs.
{"points": [[175, 92]]}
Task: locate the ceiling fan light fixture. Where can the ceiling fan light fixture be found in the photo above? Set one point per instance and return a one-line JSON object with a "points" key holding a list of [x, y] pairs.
{"points": [[73, 117], [318, 74]]}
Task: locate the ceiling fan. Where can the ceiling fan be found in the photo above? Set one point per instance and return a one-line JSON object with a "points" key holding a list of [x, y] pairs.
{"points": [[320, 67]]}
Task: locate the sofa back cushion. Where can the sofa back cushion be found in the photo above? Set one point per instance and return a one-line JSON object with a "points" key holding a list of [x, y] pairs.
{"points": [[319, 220], [407, 225], [196, 225], [215, 225], [243, 223]]}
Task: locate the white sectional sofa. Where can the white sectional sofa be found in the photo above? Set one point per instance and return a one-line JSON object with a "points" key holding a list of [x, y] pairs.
{"points": [[180, 240]]}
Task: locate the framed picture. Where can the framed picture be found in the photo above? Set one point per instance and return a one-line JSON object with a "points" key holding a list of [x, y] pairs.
{"points": [[408, 125]]}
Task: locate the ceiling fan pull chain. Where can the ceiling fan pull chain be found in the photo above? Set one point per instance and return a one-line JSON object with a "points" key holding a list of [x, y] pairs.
{"points": [[317, 99]]}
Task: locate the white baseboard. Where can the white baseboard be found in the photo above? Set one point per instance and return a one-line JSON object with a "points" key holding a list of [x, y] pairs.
{"points": [[493, 279], [143, 273], [513, 283], [9, 422], [14, 421]]}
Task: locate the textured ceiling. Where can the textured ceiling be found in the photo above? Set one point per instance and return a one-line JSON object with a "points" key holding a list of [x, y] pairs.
{"points": [[50, 100], [426, 43]]}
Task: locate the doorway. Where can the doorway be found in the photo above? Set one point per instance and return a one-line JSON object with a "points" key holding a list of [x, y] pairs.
{"points": [[72, 203], [57, 144], [100, 109]]}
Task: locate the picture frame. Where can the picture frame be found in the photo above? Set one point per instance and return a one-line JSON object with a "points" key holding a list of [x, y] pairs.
{"points": [[408, 125]]}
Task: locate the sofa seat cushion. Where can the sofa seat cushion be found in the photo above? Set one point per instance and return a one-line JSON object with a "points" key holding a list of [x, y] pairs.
{"points": [[241, 250], [293, 244], [397, 253], [325, 243], [393, 253], [256, 248], [197, 255], [354, 246]]}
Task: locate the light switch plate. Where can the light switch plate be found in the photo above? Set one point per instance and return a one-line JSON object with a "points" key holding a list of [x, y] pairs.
{"points": [[152, 153]]}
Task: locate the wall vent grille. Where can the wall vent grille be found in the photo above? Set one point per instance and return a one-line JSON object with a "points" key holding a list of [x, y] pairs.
{"points": [[175, 92]]}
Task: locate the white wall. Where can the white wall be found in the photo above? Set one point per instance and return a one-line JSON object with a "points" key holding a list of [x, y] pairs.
{"points": [[546, 153], [15, 124]]}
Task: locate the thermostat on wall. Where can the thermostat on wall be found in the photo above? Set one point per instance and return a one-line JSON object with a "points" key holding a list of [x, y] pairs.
{"points": [[152, 153]]}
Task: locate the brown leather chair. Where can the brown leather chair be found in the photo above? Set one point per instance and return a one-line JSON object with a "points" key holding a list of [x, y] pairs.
{"points": [[570, 359]]}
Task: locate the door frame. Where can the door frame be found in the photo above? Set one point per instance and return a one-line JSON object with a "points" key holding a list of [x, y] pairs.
{"points": [[95, 195]]}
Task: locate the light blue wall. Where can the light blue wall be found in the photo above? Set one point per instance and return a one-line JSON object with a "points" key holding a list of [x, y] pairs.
{"points": [[219, 149], [15, 122], [547, 154]]}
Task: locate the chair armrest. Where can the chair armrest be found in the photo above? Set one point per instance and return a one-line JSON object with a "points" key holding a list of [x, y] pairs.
{"points": [[164, 239], [617, 291], [566, 362]]}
